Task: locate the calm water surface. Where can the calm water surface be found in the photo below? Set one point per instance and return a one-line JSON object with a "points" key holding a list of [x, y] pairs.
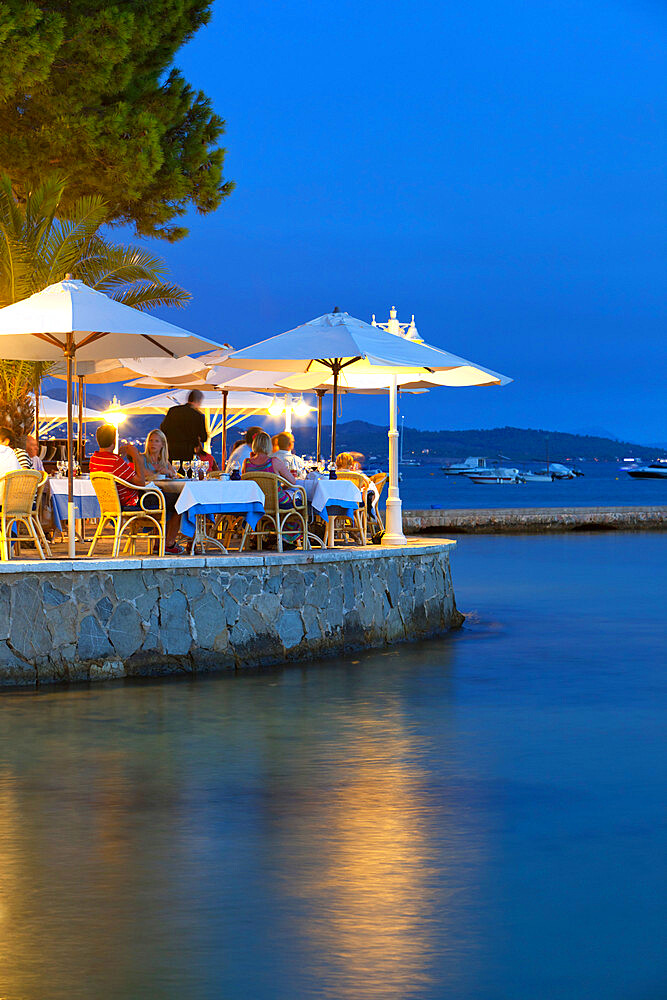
{"points": [[602, 485], [476, 818]]}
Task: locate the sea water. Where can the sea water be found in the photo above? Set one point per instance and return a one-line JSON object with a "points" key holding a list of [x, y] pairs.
{"points": [[603, 484], [477, 817]]}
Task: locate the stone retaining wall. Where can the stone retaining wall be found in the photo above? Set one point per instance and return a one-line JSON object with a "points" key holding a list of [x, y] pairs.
{"points": [[96, 619], [534, 519]]}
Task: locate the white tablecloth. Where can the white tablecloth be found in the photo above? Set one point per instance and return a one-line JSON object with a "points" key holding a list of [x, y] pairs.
{"points": [[84, 498], [332, 496], [218, 496]]}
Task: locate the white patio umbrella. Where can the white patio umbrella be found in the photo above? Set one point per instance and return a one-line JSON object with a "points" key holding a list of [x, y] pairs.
{"points": [[337, 343], [53, 412], [241, 404], [68, 319], [226, 380]]}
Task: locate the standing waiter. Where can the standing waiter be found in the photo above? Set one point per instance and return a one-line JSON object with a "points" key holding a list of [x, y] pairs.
{"points": [[185, 427]]}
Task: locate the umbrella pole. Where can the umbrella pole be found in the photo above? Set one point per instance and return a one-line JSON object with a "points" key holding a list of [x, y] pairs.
{"points": [[225, 393], [394, 517], [320, 396], [334, 412], [71, 511], [80, 437]]}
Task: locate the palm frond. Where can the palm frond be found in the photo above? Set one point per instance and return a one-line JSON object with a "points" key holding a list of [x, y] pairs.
{"points": [[153, 295]]}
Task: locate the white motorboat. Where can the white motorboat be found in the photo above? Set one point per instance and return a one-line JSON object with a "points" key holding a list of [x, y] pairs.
{"points": [[558, 471], [498, 475], [472, 464], [656, 470], [538, 477]]}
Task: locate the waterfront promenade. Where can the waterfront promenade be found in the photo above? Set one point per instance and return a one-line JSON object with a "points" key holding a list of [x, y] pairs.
{"points": [[534, 519], [97, 619]]}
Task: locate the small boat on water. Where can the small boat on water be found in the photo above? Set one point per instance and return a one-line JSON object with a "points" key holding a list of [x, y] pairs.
{"points": [[498, 475], [656, 470], [538, 477], [471, 464]]}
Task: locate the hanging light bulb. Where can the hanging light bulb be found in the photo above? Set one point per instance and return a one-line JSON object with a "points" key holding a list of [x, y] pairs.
{"points": [[301, 408], [276, 407]]}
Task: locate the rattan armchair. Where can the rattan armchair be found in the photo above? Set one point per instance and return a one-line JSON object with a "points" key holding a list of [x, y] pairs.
{"points": [[358, 525], [18, 491], [274, 517], [380, 480], [125, 522]]}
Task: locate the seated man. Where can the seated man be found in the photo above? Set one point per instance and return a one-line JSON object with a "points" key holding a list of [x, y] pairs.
{"points": [[242, 450], [283, 445], [32, 448], [8, 460], [106, 460], [205, 456]]}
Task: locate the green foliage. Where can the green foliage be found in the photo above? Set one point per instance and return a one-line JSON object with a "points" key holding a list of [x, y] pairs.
{"points": [[87, 90], [38, 248]]}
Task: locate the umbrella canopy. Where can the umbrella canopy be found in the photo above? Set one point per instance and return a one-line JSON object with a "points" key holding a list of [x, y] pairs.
{"points": [[164, 370], [337, 347], [236, 402], [215, 406], [54, 412], [336, 340], [72, 320], [71, 316]]}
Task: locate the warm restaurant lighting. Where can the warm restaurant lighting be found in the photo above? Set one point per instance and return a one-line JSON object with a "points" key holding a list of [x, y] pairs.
{"points": [[276, 407], [301, 408], [114, 415]]}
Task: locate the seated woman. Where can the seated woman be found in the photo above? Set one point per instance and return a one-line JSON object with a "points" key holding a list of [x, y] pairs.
{"points": [[156, 457], [261, 460], [347, 462], [143, 468]]}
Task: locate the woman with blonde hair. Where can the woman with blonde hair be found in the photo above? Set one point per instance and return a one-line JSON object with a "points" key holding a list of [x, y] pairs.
{"points": [[156, 456], [261, 460]]}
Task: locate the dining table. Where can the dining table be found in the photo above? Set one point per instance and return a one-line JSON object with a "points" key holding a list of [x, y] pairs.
{"points": [[200, 500], [331, 498]]}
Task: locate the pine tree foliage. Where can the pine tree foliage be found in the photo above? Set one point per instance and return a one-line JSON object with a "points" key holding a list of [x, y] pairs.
{"points": [[88, 91]]}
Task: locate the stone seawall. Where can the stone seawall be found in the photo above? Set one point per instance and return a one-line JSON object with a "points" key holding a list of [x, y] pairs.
{"points": [[97, 619], [534, 519]]}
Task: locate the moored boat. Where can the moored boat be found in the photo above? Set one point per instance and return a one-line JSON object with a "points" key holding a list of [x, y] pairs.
{"points": [[472, 464], [499, 475], [656, 470]]}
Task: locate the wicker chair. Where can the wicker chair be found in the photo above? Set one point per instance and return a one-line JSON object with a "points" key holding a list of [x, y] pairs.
{"points": [[125, 522], [18, 491], [380, 480], [359, 524], [274, 517]]}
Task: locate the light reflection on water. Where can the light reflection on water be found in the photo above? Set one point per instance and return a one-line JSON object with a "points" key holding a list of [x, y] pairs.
{"points": [[478, 817]]}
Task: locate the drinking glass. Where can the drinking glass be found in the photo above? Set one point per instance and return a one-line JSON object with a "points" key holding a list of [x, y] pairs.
{"points": [[186, 467]]}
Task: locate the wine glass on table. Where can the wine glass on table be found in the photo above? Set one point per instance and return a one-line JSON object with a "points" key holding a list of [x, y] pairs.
{"points": [[186, 468]]}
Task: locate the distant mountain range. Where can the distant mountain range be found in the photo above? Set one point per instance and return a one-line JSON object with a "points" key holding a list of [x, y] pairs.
{"points": [[516, 444]]}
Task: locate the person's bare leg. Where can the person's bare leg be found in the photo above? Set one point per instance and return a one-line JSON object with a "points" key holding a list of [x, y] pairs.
{"points": [[172, 528]]}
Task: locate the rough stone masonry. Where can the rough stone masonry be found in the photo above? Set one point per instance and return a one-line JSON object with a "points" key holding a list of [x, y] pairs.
{"points": [[97, 619]]}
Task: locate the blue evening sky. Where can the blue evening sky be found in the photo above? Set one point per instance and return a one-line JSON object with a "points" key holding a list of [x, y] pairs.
{"points": [[495, 167]]}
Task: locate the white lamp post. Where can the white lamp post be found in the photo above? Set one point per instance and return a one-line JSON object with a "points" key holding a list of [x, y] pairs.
{"points": [[394, 519], [288, 406]]}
